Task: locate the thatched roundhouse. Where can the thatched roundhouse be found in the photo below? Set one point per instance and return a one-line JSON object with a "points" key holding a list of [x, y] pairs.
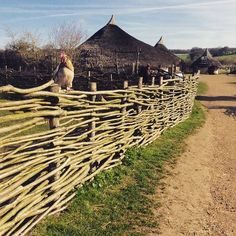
{"points": [[112, 47], [206, 63], [175, 60]]}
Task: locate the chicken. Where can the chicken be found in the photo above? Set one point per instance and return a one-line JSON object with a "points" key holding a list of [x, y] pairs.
{"points": [[64, 73]]}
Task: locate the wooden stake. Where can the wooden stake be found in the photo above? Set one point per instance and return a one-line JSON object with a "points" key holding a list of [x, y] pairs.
{"points": [[160, 81], [153, 81], [140, 86], [54, 121], [125, 87], [93, 88]]}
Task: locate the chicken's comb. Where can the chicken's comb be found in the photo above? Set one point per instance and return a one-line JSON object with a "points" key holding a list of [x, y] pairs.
{"points": [[63, 54]]}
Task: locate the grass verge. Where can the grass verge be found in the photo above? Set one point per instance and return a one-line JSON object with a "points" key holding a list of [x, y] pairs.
{"points": [[118, 201], [202, 88]]}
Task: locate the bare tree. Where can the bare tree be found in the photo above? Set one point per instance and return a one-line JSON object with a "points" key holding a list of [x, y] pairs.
{"points": [[26, 43], [66, 37]]}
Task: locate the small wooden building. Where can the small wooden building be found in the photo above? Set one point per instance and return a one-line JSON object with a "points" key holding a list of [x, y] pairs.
{"points": [[206, 64]]}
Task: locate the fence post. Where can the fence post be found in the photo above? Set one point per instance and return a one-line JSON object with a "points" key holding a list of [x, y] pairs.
{"points": [[34, 70], [5, 68], [153, 80], [89, 75], [125, 87], [54, 121], [133, 67], [160, 80], [140, 86], [93, 88], [172, 69], [19, 68]]}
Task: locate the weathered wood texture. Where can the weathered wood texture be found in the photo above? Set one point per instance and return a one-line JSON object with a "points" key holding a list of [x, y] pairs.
{"points": [[40, 169]]}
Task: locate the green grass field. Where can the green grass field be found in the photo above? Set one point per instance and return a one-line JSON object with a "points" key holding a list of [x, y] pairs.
{"points": [[184, 57], [227, 59], [119, 201]]}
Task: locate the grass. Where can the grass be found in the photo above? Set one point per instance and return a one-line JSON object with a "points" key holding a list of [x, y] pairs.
{"points": [[227, 59], [202, 88], [118, 201], [184, 57]]}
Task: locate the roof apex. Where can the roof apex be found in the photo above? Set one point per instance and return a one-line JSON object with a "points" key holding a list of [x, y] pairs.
{"points": [[161, 41], [207, 53], [112, 21]]}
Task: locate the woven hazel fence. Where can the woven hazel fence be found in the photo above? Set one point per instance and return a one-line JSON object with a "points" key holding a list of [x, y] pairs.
{"points": [[53, 141]]}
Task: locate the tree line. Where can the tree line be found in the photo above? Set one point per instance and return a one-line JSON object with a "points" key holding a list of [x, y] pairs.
{"points": [[26, 51], [197, 51]]}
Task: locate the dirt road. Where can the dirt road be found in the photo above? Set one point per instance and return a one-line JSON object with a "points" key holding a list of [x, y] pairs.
{"points": [[200, 197]]}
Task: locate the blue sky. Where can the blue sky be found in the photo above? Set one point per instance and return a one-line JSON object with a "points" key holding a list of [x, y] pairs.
{"points": [[183, 23]]}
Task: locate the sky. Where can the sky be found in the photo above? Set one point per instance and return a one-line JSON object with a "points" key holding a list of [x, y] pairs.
{"points": [[182, 23]]}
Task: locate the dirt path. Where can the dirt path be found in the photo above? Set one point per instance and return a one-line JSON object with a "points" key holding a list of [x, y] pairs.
{"points": [[200, 197]]}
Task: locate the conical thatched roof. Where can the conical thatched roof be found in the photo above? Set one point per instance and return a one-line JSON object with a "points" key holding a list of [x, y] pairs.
{"points": [[111, 45], [161, 46], [206, 60]]}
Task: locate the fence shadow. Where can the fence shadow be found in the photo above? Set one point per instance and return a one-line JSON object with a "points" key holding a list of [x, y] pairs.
{"points": [[216, 98], [229, 110]]}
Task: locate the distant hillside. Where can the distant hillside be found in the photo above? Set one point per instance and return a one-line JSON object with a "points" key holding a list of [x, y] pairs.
{"points": [[227, 59], [185, 57], [219, 51], [226, 55]]}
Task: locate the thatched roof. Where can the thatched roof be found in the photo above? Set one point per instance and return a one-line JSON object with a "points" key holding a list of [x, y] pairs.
{"points": [[161, 46], [206, 60], [111, 45]]}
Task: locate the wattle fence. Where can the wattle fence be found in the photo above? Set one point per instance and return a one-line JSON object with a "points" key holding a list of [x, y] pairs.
{"points": [[52, 141]]}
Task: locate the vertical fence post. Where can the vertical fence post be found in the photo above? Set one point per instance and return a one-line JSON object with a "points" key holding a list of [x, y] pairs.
{"points": [[153, 84], [93, 88], [34, 70], [5, 68], [89, 75], [133, 67], [172, 69], [125, 87], [153, 80], [160, 80], [140, 86], [54, 121], [161, 102], [19, 68]]}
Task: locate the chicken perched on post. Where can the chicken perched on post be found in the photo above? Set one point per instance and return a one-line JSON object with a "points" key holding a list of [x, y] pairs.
{"points": [[64, 73]]}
